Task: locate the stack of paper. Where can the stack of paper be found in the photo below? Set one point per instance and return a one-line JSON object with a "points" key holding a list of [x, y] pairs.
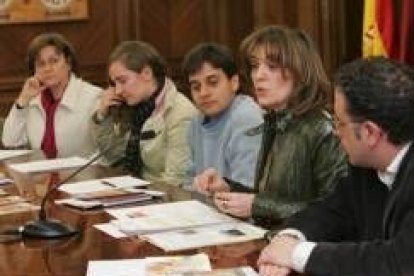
{"points": [[180, 225], [49, 165], [7, 154], [227, 233], [103, 184], [107, 192], [193, 265], [151, 266], [15, 204], [166, 217]]}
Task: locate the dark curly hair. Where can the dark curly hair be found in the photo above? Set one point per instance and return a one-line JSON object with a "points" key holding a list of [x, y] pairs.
{"points": [[219, 56], [380, 90]]}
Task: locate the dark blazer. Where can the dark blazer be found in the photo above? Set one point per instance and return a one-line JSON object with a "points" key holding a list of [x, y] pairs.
{"points": [[363, 228]]}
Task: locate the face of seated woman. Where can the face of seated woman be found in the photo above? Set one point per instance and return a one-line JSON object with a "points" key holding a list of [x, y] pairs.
{"points": [[52, 69], [130, 86]]}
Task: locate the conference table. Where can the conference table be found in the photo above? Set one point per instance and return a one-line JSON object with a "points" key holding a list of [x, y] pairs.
{"points": [[70, 256]]}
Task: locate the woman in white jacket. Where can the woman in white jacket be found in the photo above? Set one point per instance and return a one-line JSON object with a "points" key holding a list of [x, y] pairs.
{"points": [[54, 107]]}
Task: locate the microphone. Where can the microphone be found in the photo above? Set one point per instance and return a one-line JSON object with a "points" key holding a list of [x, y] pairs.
{"points": [[44, 227]]}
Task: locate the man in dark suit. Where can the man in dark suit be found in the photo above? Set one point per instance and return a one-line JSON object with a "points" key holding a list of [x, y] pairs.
{"points": [[366, 226]]}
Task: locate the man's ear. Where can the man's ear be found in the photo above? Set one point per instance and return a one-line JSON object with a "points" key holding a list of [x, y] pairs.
{"points": [[372, 133]]}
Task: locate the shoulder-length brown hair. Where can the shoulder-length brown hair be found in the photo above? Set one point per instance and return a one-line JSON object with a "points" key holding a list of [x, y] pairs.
{"points": [[293, 51]]}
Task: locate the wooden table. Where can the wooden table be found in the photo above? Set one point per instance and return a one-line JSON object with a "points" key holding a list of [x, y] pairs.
{"points": [[70, 256]]}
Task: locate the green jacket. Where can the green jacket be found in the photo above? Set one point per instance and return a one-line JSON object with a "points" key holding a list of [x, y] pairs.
{"points": [[300, 160]]}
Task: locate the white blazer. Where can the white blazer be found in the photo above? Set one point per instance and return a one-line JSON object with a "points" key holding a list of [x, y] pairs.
{"points": [[25, 127]]}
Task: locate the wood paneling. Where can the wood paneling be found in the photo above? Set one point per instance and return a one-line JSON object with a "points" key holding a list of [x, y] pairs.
{"points": [[93, 40], [175, 26]]}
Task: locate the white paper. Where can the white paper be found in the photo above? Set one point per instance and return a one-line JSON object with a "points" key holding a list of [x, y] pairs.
{"points": [[177, 265], [205, 236], [166, 216], [132, 267], [104, 184], [7, 154], [111, 230], [125, 181], [248, 271], [49, 165]]}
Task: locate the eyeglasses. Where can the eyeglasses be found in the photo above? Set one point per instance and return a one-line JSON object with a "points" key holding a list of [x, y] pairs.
{"points": [[341, 124]]}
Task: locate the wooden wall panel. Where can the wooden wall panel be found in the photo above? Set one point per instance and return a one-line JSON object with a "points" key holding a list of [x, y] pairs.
{"points": [[93, 39], [328, 22], [175, 26]]}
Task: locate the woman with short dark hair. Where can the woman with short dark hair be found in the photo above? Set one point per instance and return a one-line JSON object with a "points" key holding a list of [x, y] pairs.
{"points": [[54, 105]]}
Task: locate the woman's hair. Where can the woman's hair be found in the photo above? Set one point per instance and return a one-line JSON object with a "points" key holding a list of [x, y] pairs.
{"points": [[294, 52], [135, 55], [61, 44]]}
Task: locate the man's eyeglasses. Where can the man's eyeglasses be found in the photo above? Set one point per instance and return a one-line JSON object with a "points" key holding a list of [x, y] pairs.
{"points": [[340, 124]]}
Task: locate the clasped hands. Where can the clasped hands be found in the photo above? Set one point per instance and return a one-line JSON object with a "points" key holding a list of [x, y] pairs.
{"points": [[276, 258]]}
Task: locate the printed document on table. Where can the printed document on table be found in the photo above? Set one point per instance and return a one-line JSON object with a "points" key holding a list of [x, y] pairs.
{"points": [[132, 267], [166, 216], [103, 184], [7, 154], [151, 266], [49, 165], [191, 238], [177, 265]]}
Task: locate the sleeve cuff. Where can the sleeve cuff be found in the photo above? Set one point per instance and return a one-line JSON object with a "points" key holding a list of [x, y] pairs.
{"points": [[301, 254], [292, 232]]}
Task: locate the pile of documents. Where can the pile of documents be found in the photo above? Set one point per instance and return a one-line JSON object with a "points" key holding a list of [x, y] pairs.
{"points": [[107, 192], [179, 225], [191, 265], [14, 204]]}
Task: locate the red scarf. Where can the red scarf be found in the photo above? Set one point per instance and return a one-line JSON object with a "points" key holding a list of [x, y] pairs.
{"points": [[49, 105]]}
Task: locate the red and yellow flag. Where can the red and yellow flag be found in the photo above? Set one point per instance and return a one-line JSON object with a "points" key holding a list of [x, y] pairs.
{"points": [[388, 29], [377, 28]]}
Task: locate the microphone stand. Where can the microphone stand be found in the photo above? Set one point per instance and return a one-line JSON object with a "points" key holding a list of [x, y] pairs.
{"points": [[50, 228]]}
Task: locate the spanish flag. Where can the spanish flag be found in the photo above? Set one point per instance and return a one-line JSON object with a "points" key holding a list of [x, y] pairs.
{"points": [[377, 28], [388, 29]]}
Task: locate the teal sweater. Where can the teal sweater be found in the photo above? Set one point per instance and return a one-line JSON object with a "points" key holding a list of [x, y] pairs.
{"points": [[227, 142]]}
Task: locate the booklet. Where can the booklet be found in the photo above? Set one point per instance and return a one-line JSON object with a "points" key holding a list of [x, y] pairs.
{"points": [[94, 201], [166, 217], [104, 184], [49, 165], [236, 271], [9, 200], [7, 154], [177, 265], [151, 266], [19, 207], [205, 236]]}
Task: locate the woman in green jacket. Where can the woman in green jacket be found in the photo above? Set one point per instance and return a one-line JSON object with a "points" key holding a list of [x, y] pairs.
{"points": [[300, 157]]}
